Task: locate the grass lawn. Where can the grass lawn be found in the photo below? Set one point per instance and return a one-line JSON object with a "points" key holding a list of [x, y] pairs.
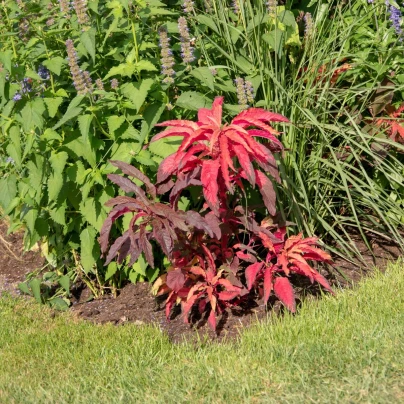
{"points": [[344, 349]]}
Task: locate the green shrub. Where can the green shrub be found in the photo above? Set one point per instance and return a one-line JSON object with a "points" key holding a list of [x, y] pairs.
{"points": [[62, 120]]}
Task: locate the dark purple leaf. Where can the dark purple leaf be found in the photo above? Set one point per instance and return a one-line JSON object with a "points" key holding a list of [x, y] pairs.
{"points": [[175, 280], [127, 185], [134, 172], [145, 246], [116, 246]]}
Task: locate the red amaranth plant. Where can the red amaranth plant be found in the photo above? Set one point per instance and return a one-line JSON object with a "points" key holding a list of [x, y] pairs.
{"points": [[395, 123], [221, 254], [224, 154]]}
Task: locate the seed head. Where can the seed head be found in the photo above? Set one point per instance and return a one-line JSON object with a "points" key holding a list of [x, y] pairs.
{"points": [[271, 7], [99, 84], [241, 92], [308, 25], [80, 7], [114, 84], [188, 6], [186, 48], [167, 60]]}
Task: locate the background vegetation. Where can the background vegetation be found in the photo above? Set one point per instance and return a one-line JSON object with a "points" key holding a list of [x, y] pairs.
{"points": [[83, 84]]}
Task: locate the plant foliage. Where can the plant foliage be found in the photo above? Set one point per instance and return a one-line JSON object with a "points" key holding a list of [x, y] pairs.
{"points": [[219, 253]]}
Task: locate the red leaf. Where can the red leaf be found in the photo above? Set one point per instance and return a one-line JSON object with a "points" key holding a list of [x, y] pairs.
{"points": [[283, 262], [198, 271], [322, 281], [245, 162], [267, 191], [260, 114], [284, 292], [318, 255], [210, 171], [175, 280], [214, 115], [170, 303], [227, 295], [226, 162], [246, 257], [214, 224], [180, 123], [173, 131], [167, 167], [276, 145], [266, 241], [212, 320], [251, 273], [268, 278]]}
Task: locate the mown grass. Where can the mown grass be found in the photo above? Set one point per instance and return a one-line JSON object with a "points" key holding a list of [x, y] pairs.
{"points": [[344, 349]]}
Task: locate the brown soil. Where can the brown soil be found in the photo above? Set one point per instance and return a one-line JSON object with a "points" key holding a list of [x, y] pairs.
{"points": [[135, 304], [14, 264]]}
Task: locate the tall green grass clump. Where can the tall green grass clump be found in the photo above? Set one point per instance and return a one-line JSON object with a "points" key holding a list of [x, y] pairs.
{"points": [[333, 69]]}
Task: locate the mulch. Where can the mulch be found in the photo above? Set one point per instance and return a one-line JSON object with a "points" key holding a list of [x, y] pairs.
{"points": [[135, 304]]}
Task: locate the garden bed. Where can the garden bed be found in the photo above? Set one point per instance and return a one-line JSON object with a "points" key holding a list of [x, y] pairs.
{"points": [[135, 303]]}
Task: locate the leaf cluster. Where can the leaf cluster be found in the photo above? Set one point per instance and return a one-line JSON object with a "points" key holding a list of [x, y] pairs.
{"points": [[220, 253]]}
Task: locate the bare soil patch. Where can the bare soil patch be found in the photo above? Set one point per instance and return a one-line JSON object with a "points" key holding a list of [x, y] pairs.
{"points": [[14, 263], [135, 303]]}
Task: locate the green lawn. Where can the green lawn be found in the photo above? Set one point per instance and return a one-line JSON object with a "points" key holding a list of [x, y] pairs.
{"points": [[344, 349]]}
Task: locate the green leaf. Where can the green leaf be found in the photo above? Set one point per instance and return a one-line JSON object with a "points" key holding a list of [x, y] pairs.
{"points": [[193, 101], [24, 288], [72, 111], [93, 212], [55, 184], [53, 105], [84, 125], [51, 134], [124, 69], [145, 65], [112, 268], [166, 146], [58, 214], [35, 286], [137, 92], [115, 122], [87, 38], [36, 170], [89, 248], [144, 157], [204, 75], [64, 282], [55, 64], [140, 265], [59, 303], [5, 58], [56, 179], [205, 20], [31, 114], [275, 40], [151, 116], [33, 75], [8, 190], [58, 161], [14, 147], [286, 17]]}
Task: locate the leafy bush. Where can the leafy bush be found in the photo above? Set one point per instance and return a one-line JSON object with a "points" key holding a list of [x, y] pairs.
{"points": [[209, 250], [83, 86], [80, 86]]}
